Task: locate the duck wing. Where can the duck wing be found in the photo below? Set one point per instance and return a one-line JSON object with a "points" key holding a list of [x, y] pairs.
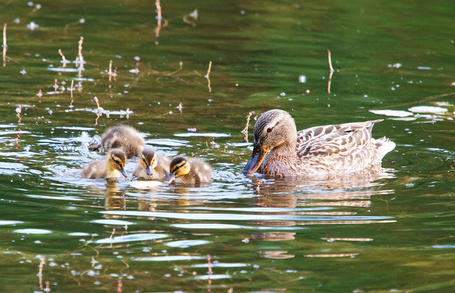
{"points": [[334, 140]]}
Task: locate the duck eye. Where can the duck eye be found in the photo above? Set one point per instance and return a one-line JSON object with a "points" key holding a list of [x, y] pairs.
{"points": [[269, 129]]}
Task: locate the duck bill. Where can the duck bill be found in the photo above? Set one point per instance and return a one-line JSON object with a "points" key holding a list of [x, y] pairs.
{"points": [[149, 170], [170, 178], [124, 173], [255, 161]]}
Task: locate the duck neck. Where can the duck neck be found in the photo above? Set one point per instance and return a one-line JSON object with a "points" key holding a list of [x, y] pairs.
{"points": [[113, 173], [281, 160]]}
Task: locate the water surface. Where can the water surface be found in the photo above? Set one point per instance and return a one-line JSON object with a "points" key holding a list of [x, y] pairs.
{"points": [[381, 232]]}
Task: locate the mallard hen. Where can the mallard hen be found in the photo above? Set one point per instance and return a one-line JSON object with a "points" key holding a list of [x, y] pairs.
{"points": [[319, 152]]}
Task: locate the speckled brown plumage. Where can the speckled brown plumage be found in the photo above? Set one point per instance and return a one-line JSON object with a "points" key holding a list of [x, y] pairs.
{"points": [[318, 152]]}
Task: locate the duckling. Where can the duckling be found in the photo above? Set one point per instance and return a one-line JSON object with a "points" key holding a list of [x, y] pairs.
{"points": [[152, 165], [319, 152], [111, 168], [189, 171], [121, 136]]}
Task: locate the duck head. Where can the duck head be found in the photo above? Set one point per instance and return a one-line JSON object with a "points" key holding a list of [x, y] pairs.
{"points": [[116, 160], [148, 160], [274, 129], [179, 166]]}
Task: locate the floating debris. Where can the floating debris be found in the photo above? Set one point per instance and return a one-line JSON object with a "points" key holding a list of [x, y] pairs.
{"points": [[32, 26], [396, 65]]}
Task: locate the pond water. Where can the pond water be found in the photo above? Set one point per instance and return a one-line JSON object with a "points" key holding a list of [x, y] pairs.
{"points": [[187, 83]]}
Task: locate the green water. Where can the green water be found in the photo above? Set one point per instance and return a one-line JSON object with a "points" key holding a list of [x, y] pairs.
{"points": [[393, 233]]}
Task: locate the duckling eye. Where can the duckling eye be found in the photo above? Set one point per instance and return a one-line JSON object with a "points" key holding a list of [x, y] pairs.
{"points": [[269, 129]]}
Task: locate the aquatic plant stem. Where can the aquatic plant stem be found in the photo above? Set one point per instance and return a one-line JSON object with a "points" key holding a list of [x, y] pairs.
{"points": [[5, 46], [331, 71], [208, 76], [245, 130], [110, 70], [81, 58], [158, 24], [63, 57]]}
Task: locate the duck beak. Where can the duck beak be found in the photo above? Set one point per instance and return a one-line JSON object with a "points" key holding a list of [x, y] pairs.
{"points": [[170, 177], [124, 173], [149, 170], [255, 161]]}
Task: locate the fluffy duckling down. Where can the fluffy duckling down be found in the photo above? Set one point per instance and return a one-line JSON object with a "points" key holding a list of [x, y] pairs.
{"points": [[152, 165], [188, 170], [124, 137], [111, 168]]}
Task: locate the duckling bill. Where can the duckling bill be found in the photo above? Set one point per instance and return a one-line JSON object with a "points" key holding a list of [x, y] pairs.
{"points": [[110, 168], [318, 152]]}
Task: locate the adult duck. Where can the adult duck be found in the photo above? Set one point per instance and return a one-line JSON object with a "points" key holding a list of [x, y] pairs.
{"points": [[319, 152]]}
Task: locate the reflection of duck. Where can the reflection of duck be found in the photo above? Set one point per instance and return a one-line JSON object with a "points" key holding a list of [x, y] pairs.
{"points": [[189, 171], [111, 168], [319, 152], [151, 165], [122, 136]]}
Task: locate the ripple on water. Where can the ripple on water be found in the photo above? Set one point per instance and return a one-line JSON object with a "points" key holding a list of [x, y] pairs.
{"points": [[32, 231], [131, 238], [255, 217], [112, 222], [167, 142], [12, 168], [7, 222], [198, 134], [168, 258], [187, 243]]}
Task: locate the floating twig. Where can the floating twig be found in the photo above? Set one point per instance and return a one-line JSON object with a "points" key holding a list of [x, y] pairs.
{"points": [[193, 15], [5, 46], [208, 76], [63, 57]]}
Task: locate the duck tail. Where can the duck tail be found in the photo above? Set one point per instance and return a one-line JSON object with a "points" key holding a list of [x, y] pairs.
{"points": [[384, 146]]}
